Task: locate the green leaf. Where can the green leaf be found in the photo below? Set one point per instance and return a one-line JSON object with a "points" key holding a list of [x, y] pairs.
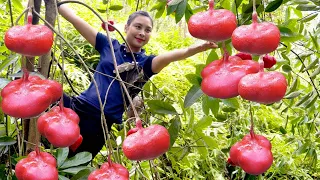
{"points": [[78, 159], [228, 109], [2, 57], [185, 151], [293, 95], [74, 170], [302, 148], [202, 149], [301, 1], [205, 107], [288, 35], [315, 72], [82, 175], [188, 13], [12, 59], [306, 7], [199, 68], [304, 98], [293, 85], [282, 130], [309, 17], [102, 8], [194, 79], [286, 68], [158, 6], [312, 65], [174, 129], [191, 120], [171, 8], [63, 177], [3, 49], [192, 96], [314, 41], [160, 12], [115, 7], [210, 142], [3, 82], [226, 4], [316, 2], [18, 4], [174, 2], [214, 105], [161, 107], [248, 8], [232, 102], [310, 102], [205, 122], [212, 56], [238, 3], [62, 154], [273, 5], [7, 141], [181, 9]]}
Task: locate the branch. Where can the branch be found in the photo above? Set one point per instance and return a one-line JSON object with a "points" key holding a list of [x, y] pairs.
{"points": [[312, 82]]}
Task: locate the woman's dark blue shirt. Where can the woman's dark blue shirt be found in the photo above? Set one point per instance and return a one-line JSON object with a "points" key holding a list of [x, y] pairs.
{"points": [[114, 107]]}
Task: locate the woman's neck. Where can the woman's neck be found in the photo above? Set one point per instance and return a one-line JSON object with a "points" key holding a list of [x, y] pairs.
{"points": [[134, 50]]}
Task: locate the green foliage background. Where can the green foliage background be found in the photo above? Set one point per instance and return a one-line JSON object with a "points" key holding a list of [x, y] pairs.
{"points": [[202, 128]]}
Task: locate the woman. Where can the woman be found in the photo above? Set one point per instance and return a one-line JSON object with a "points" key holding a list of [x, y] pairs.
{"points": [[138, 31]]}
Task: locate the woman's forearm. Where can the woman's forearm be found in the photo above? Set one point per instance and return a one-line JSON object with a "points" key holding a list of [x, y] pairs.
{"points": [[162, 60], [87, 31]]}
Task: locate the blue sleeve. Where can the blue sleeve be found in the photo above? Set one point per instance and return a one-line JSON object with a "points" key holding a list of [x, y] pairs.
{"points": [[102, 42], [147, 67]]}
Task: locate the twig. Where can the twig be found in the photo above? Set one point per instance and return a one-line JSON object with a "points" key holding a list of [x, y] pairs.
{"points": [[18, 136], [10, 10], [312, 82], [19, 17]]}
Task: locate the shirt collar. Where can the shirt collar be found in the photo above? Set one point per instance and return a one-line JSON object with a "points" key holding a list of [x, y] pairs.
{"points": [[123, 49]]}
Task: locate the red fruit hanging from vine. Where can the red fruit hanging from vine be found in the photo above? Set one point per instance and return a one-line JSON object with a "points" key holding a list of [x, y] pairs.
{"points": [[37, 165], [212, 25], [29, 40], [110, 171], [221, 77], [263, 87], [256, 38], [60, 126], [146, 143], [29, 96]]}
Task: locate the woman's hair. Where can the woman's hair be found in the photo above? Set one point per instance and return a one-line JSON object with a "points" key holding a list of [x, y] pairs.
{"points": [[136, 14]]}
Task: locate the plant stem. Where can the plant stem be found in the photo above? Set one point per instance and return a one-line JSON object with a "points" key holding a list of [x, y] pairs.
{"points": [[252, 123], [312, 82]]}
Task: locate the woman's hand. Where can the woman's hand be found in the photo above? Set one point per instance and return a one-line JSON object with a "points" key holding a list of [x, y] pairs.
{"points": [[204, 46], [162, 60]]}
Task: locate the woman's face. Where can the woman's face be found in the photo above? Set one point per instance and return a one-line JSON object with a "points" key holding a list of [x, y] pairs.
{"points": [[138, 32]]}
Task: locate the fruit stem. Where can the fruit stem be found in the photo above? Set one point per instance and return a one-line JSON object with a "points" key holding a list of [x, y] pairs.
{"points": [[109, 160], [139, 123], [225, 53], [25, 75], [254, 13], [261, 63], [37, 150], [61, 104], [29, 16], [252, 124], [211, 4]]}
